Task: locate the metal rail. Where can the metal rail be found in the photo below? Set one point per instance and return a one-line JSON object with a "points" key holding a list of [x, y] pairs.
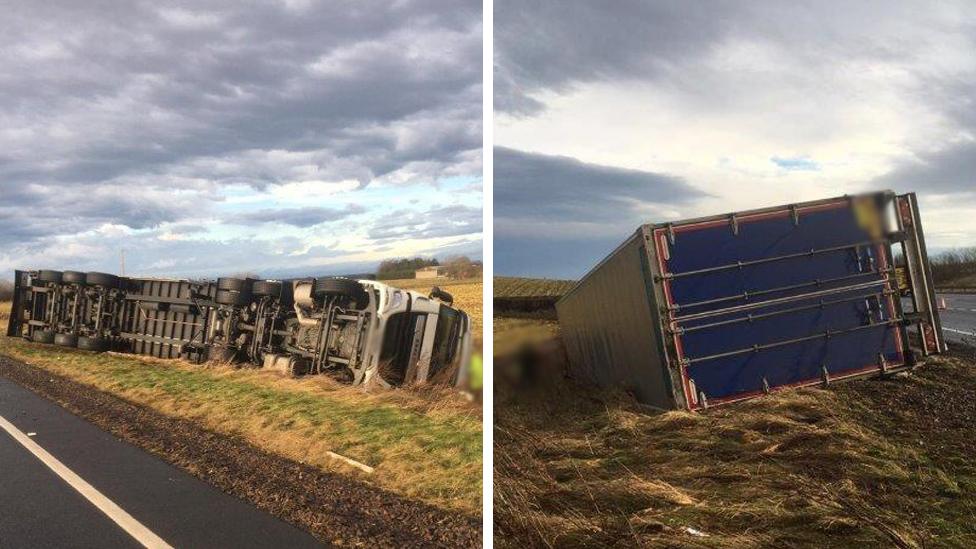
{"points": [[787, 299], [747, 294], [751, 317], [751, 262], [827, 334]]}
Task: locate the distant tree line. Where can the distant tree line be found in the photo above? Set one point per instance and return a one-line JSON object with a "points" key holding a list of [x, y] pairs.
{"points": [[454, 267], [403, 267], [6, 290], [462, 266], [954, 265]]}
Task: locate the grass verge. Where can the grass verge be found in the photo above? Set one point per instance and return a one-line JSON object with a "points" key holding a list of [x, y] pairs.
{"points": [[424, 443], [866, 463]]}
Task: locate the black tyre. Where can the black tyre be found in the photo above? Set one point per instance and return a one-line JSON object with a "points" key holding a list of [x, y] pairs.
{"points": [[102, 279], [66, 340], [221, 354], [266, 287], [236, 284], [43, 336], [97, 344], [439, 294], [49, 276], [338, 286], [287, 295], [73, 277], [128, 284], [231, 297]]}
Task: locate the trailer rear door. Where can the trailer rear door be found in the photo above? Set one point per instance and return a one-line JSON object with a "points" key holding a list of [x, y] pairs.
{"points": [[780, 298]]}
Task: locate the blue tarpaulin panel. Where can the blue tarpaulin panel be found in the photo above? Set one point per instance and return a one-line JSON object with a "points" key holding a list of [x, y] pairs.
{"points": [[779, 299]]}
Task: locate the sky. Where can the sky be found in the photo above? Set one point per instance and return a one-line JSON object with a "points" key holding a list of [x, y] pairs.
{"points": [[288, 137], [613, 114]]}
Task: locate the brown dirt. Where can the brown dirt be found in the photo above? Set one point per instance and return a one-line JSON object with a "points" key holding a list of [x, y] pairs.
{"points": [[334, 508]]}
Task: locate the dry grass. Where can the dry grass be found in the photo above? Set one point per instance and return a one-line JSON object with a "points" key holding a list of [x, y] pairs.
{"points": [[511, 333], [4, 314], [424, 443], [868, 463]]}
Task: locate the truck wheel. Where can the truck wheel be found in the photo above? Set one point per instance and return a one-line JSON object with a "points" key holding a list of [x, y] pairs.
{"points": [[128, 284], [231, 297], [437, 293], [43, 336], [102, 279], [340, 286], [266, 287], [97, 344], [236, 284], [73, 277], [287, 295], [49, 276], [220, 353], [66, 340]]}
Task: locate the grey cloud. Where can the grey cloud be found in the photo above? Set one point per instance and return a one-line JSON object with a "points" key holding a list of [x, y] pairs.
{"points": [[110, 107], [31, 214], [943, 168], [127, 91], [553, 45], [148, 255], [186, 229], [443, 221], [550, 44], [297, 217], [951, 170], [543, 189]]}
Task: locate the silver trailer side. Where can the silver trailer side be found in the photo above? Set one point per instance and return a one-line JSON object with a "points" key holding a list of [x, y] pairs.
{"points": [[612, 329]]}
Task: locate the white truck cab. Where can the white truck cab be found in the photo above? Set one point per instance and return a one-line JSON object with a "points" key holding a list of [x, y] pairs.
{"points": [[415, 338]]}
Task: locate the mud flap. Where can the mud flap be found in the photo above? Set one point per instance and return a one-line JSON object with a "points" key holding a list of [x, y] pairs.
{"points": [[16, 322]]}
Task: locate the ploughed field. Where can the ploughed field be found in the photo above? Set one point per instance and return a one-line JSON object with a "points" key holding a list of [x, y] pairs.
{"points": [[508, 286], [867, 463], [423, 444]]}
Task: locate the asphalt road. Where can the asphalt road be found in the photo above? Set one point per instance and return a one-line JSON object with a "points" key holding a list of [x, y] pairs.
{"points": [[959, 318], [39, 508]]}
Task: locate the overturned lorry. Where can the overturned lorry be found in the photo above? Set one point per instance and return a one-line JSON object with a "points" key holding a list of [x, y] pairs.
{"points": [[695, 313], [357, 330]]}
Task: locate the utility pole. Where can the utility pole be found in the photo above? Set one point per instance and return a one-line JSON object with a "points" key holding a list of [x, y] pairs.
{"points": [[122, 268]]}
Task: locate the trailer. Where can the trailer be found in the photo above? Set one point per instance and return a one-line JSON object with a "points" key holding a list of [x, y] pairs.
{"points": [[709, 311], [358, 330]]}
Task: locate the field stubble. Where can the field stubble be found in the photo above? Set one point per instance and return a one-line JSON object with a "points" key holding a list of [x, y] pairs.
{"points": [[879, 463]]}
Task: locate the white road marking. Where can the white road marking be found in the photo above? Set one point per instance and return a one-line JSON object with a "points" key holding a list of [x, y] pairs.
{"points": [[133, 527], [953, 330]]}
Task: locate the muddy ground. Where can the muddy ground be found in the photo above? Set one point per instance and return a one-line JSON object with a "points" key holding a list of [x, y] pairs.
{"points": [[334, 508]]}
